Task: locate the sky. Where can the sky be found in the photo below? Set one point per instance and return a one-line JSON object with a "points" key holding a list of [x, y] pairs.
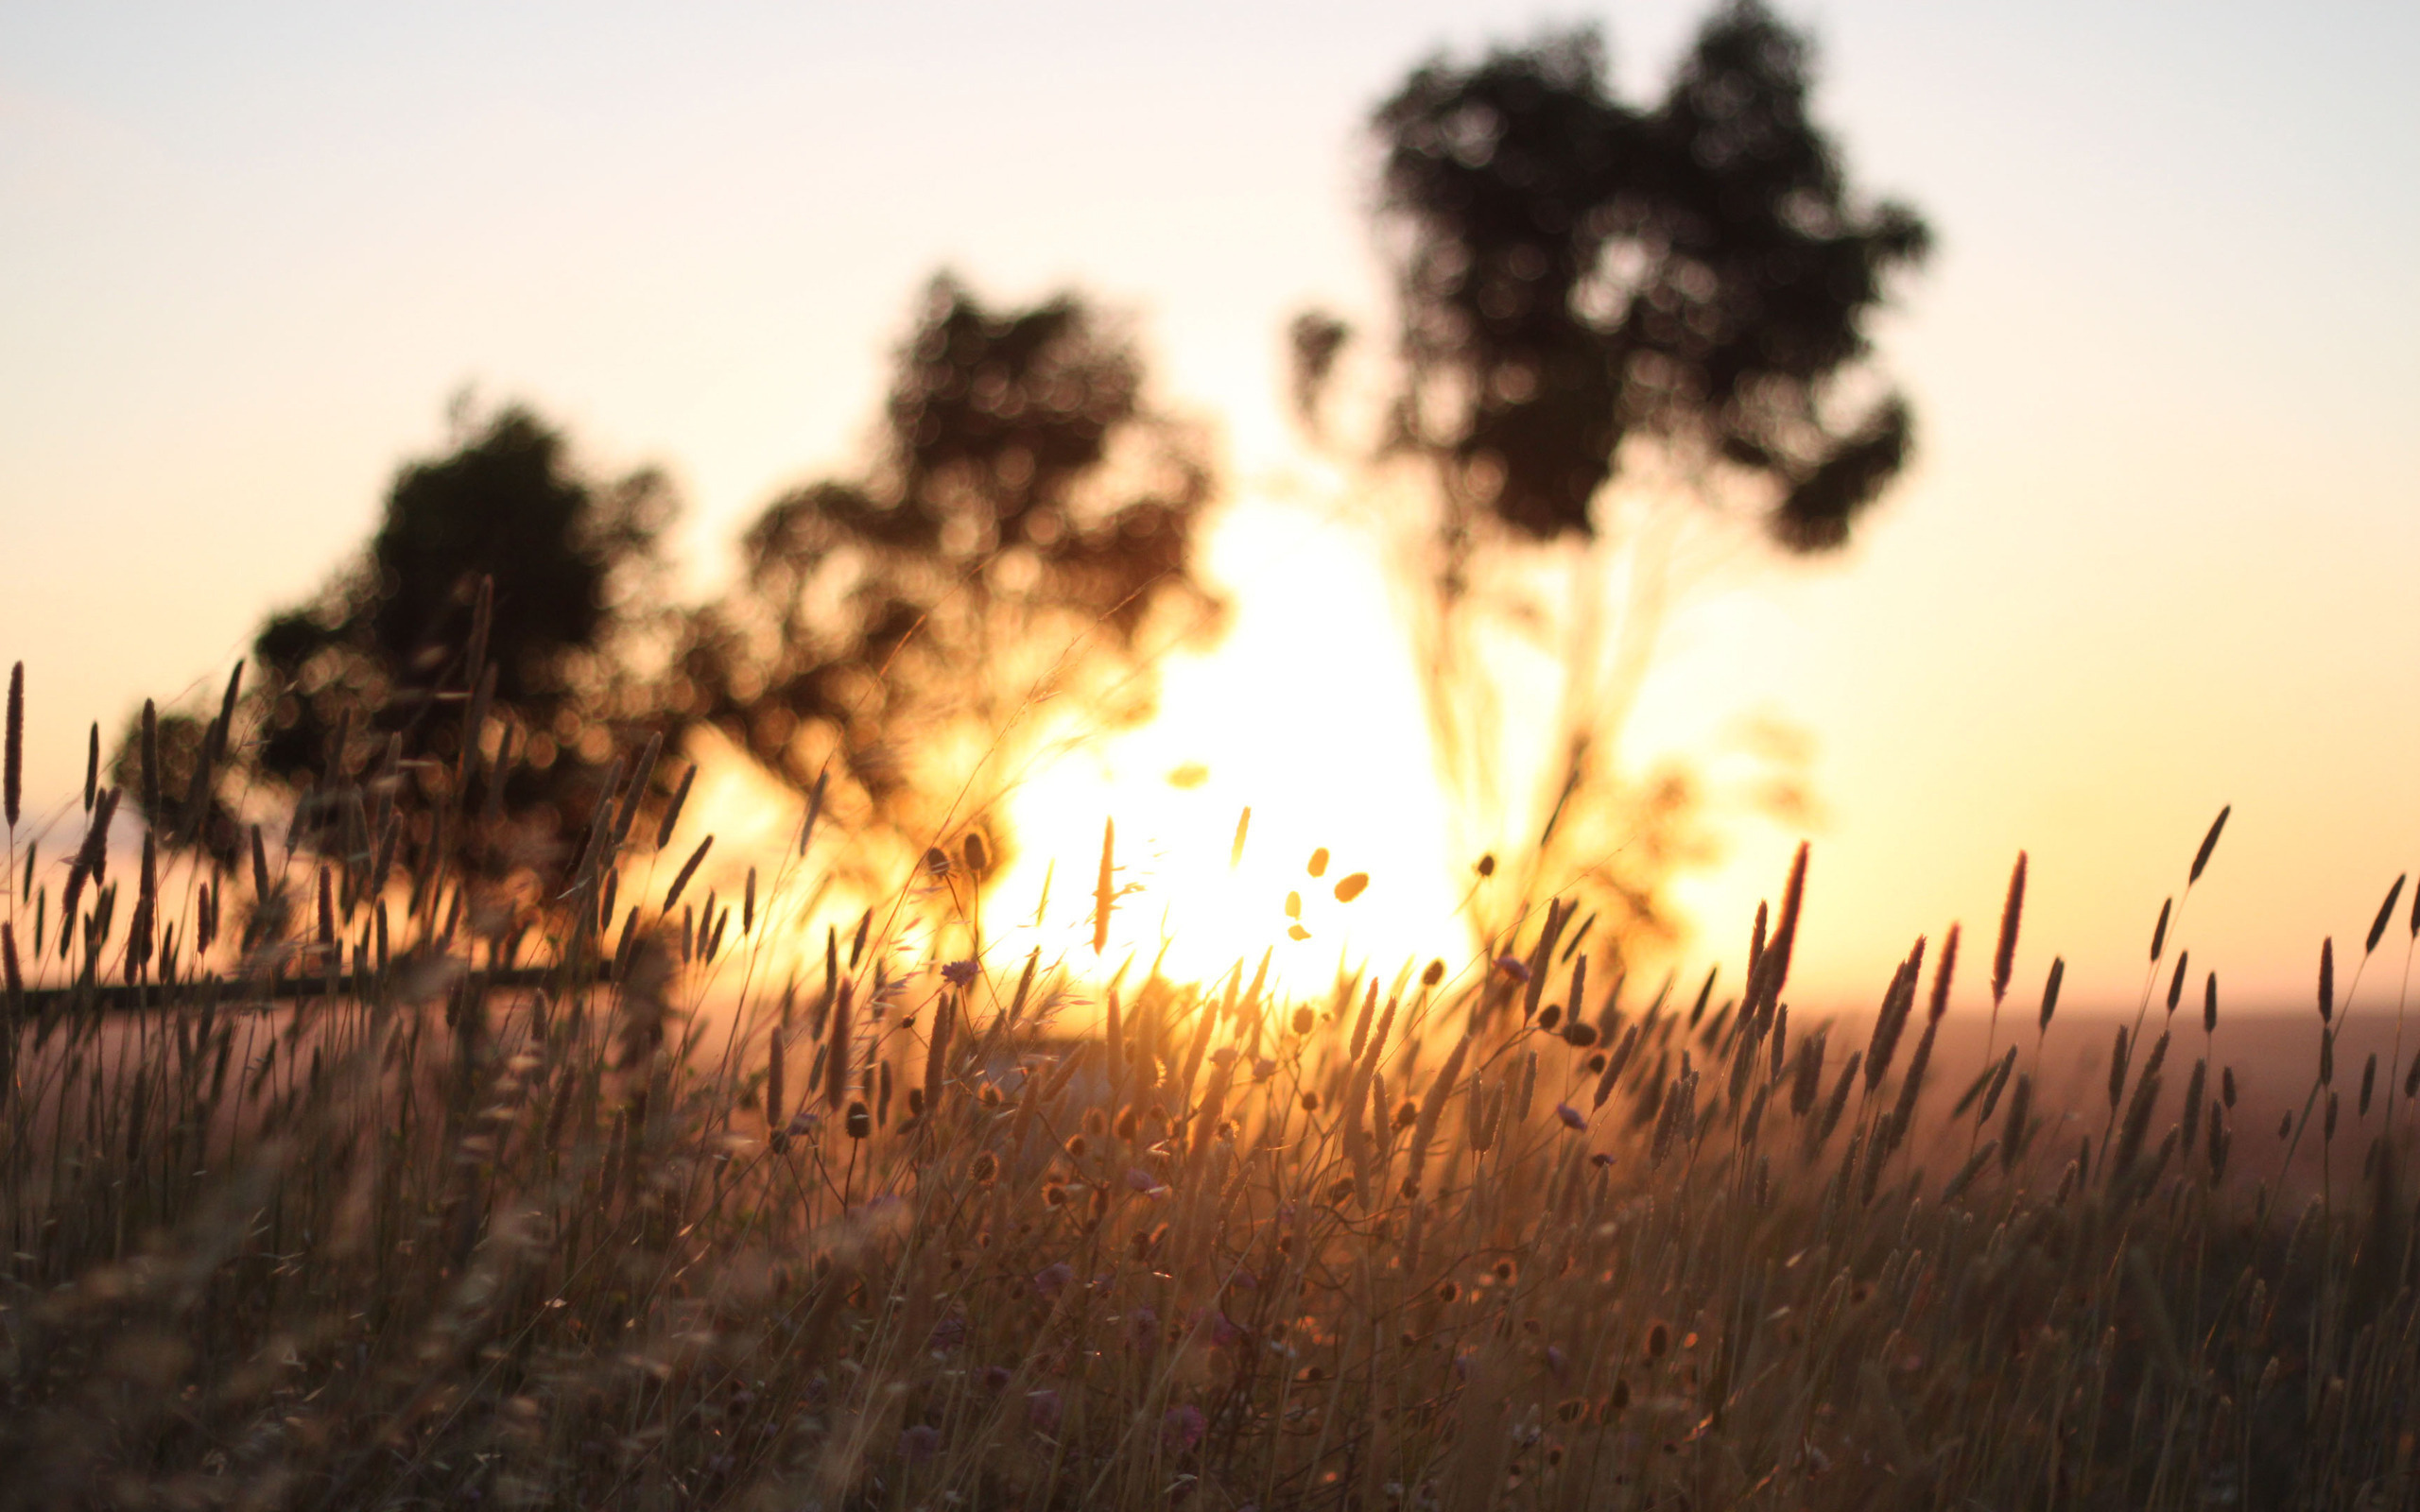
{"points": [[2153, 558]]}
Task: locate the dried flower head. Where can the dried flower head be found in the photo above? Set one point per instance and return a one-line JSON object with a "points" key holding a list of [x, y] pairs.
{"points": [[1183, 1427]]}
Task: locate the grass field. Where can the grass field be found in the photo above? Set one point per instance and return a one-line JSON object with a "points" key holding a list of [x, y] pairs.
{"points": [[336, 1183]]}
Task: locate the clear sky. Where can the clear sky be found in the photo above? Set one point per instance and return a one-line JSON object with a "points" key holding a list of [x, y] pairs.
{"points": [[2156, 555]]}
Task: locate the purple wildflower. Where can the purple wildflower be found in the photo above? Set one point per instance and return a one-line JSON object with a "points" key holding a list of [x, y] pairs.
{"points": [[1184, 1426], [1143, 1331]]}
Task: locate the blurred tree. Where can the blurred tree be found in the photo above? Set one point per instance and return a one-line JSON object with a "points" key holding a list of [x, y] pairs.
{"points": [[175, 792], [922, 632], [1581, 272], [1596, 293], [378, 664]]}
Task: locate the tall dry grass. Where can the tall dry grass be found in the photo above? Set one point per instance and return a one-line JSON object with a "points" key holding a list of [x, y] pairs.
{"points": [[331, 1183]]}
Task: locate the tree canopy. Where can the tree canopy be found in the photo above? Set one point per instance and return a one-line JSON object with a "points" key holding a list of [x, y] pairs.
{"points": [[989, 583], [1594, 291], [1579, 272], [378, 662], [991, 577]]}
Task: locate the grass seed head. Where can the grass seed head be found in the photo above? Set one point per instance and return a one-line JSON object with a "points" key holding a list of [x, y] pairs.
{"points": [[12, 751], [2386, 911], [2209, 843]]}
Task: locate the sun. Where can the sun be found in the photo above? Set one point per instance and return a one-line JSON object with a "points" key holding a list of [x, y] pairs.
{"points": [[1299, 739]]}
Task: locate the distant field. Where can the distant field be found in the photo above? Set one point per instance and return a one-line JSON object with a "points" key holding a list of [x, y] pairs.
{"points": [[2273, 1053]]}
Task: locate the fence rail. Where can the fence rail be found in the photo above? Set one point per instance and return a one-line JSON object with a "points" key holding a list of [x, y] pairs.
{"points": [[222, 991]]}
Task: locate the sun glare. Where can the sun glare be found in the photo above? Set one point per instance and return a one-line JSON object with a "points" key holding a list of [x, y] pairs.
{"points": [[1307, 715], [1282, 800]]}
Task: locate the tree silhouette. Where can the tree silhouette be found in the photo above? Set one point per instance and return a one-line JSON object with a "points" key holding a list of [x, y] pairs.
{"points": [[987, 584], [378, 667], [171, 775], [1590, 288], [1582, 273]]}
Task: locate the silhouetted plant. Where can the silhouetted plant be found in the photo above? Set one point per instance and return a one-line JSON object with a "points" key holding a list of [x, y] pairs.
{"points": [[1582, 272], [377, 671], [181, 799], [1596, 293], [986, 586]]}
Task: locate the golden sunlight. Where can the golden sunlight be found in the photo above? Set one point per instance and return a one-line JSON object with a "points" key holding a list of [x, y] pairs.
{"points": [[1307, 715]]}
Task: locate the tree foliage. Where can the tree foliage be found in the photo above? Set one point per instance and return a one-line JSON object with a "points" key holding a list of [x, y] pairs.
{"points": [[378, 664], [168, 765], [1581, 272], [1593, 291], [991, 579]]}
